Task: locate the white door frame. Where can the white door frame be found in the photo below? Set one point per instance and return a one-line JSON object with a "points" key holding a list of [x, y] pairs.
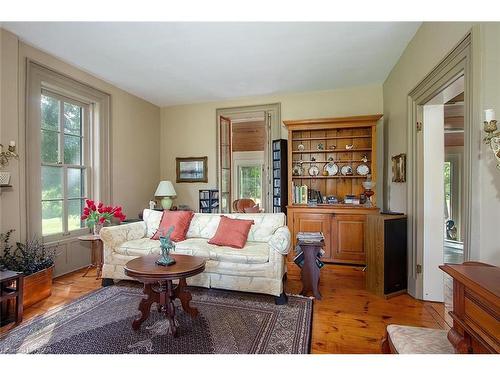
{"points": [[458, 61]]}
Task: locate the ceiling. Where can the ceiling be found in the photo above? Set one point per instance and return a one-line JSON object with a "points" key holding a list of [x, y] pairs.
{"points": [[169, 63]]}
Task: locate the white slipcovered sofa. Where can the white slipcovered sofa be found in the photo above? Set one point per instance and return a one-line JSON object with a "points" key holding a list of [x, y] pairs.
{"points": [[259, 267]]}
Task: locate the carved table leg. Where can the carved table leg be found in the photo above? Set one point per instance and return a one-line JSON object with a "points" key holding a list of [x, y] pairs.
{"points": [[144, 306], [185, 298], [170, 308]]}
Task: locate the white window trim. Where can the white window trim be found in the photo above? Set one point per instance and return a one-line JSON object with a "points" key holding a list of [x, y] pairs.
{"points": [[43, 78]]}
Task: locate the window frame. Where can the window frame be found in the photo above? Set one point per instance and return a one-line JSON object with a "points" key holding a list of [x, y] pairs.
{"points": [[86, 166], [37, 76]]}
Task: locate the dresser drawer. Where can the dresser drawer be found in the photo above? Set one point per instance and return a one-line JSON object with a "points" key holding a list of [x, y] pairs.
{"points": [[483, 318]]}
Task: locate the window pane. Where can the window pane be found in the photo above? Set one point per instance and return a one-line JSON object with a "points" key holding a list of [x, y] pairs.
{"points": [[52, 217], [51, 182], [50, 146], [50, 113], [251, 183], [75, 209], [72, 150], [75, 183], [72, 119]]}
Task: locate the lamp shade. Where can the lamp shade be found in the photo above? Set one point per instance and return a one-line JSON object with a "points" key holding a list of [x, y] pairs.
{"points": [[165, 189]]}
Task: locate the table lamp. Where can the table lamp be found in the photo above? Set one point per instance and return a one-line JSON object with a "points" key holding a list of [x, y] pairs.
{"points": [[166, 191]]}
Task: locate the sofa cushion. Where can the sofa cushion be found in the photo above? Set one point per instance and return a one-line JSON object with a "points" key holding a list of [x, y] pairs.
{"points": [[265, 224], [179, 220], [252, 253], [231, 232], [152, 219], [140, 247], [193, 246]]}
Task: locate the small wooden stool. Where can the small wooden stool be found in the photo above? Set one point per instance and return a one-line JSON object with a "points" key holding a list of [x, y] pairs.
{"points": [[415, 340], [310, 270]]}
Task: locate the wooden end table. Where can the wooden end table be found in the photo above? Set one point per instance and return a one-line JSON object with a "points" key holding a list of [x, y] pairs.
{"points": [[159, 288], [310, 270], [96, 251], [9, 292]]}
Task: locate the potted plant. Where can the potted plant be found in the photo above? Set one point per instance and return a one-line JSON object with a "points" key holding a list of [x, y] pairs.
{"points": [[96, 215], [35, 260]]}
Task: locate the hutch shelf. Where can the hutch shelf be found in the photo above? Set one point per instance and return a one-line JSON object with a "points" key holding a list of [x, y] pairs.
{"points": [[346, 141]]}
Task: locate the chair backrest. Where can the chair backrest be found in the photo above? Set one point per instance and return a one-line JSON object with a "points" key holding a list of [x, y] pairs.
{"points": [[239, 205]]}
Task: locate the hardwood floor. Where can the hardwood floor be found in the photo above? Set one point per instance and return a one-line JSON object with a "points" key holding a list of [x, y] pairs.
{"points": [[347, 319]]}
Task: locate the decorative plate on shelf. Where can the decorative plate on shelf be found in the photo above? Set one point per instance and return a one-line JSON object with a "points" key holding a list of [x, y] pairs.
{"points": [[300, 147], [332, 169], [346, 170], [313, 170], [362, 170], [297, 170]]}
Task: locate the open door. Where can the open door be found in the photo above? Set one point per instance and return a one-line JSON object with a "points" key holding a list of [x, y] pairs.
{"points": [[225, 153]]}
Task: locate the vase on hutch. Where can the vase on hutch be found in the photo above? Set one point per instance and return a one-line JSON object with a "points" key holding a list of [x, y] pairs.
{"points": [[96, 229]]}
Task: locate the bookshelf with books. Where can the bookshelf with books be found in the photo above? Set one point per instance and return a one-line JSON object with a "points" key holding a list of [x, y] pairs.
{"points": [[280, 175], [328, 161], [209, 201]]}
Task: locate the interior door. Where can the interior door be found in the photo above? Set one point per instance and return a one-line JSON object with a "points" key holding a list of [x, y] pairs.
{"points": [[225, 153]]}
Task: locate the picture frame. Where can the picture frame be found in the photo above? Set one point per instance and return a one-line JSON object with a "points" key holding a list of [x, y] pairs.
{"points": [[192, 169], [399, 168]]}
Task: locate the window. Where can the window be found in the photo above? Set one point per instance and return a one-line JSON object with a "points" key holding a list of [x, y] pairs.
{"points": [[64, 156], [250, 182]]}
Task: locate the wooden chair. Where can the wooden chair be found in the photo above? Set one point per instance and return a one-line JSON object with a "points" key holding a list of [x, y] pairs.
{"points": [[415, 340], [239, 205]]}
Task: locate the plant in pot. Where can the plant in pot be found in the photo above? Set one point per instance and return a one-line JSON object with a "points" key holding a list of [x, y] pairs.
{"points": [[35, 260], [97, 215]]}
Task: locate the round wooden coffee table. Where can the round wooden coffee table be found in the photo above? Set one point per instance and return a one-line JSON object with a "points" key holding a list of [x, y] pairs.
{"points": [[158, 286]]}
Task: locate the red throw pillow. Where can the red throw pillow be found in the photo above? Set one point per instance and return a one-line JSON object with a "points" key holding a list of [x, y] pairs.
{"points": [[179, 219], [231, 232]]}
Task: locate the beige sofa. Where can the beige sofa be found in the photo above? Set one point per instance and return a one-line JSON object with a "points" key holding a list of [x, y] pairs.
{"points": [[259, 267]]}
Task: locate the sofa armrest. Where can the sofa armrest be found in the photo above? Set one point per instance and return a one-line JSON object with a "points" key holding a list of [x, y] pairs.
{"points": [[280, 240], [114, 236]]}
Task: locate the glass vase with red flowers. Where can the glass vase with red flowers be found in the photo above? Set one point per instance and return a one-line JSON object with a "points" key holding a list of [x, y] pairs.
{"points": [[98, 214]]}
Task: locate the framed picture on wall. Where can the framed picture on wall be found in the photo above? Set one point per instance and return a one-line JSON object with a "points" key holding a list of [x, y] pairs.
{"points": [[192, 169], [399, 168]]}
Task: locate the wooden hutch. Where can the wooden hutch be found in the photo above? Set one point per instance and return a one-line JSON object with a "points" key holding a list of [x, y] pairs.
{"points": [[349, 141]]}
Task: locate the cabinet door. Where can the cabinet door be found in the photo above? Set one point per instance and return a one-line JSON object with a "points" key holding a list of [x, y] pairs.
{"points": [[348, 238], [312, 222]]}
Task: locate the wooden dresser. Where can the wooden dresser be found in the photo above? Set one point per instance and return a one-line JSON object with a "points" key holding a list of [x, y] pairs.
{"points": [[350, 144], [476, 307]]}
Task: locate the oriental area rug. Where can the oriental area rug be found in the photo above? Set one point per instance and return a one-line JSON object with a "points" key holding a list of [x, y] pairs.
{"points": [[227, 323]]}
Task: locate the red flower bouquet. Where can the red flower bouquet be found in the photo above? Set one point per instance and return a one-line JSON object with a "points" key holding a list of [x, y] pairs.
{"points": [[98, 215]]}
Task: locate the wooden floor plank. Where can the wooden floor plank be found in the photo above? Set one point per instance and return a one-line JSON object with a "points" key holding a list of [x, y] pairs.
{"points": [[347, 319]]}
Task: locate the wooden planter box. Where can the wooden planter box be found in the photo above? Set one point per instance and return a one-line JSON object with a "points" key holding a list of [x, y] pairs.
{"points": [[37, 287]]}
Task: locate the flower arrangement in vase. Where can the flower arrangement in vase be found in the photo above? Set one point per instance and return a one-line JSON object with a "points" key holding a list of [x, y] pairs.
{"points": [[98, 215]]}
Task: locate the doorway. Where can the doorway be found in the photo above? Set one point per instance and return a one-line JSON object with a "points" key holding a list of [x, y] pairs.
{"points": [[245, 137], [442, 139], [439, 165]]}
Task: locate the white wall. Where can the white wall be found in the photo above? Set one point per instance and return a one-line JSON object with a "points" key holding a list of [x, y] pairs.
{"points": [[190, 130]]}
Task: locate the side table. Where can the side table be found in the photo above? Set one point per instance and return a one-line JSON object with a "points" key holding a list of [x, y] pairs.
{"points": [[9, 292], [96, 251], [310, 270]]}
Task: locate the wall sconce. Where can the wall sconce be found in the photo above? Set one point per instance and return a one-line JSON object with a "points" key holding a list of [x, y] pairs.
{"points": [[492, 135], [9, 154]]}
